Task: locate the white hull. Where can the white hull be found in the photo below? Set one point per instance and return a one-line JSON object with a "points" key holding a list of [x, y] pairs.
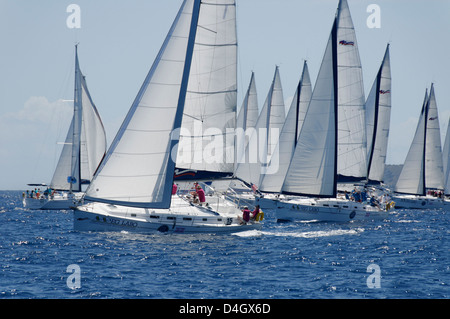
{"points": [[58, 202], [327, 210], [182, 217], [419, 202]]}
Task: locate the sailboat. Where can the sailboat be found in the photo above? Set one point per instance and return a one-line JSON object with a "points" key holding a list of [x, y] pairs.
{"points": [[312, 175], [84, 148], [271, 184], [423, 167], [378, 114], [132, 189]]}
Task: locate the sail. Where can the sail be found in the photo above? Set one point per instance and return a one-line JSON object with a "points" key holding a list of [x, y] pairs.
{"points": [[247, 118], [352, 162], [85, 143], [378, 115], [262, 142], [93, 137], [273, 180], [209, 119], [312, 170], [433, 151], [138, 168], [423, 166], [446, 162]]}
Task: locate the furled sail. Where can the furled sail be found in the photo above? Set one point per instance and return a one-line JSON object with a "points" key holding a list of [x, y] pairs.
{"points": [[138, 168]]}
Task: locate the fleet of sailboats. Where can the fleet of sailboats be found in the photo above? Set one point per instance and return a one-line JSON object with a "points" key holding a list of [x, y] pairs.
{"points": [[183, 127]]}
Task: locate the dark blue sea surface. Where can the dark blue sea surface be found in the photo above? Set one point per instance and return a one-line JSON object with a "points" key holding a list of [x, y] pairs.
{"points": [[283, 260]]}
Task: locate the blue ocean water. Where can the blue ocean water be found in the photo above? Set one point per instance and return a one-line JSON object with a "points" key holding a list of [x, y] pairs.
{"points": [[283, 260]]}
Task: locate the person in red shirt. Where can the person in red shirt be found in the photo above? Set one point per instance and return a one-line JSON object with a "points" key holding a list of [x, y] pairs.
{"points": [[174, 189], [200, 194]]}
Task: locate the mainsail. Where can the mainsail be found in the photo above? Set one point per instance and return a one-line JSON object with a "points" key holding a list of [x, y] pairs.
{"points": [[209, 119], [423, 166], [378, 115], [352, 162], [138, 168], [85, 143]]}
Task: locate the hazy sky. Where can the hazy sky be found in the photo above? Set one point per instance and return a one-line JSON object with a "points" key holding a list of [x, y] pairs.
{"points": [[120, 39]]}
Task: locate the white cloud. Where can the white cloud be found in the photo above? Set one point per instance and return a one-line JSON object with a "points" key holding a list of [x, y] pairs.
{"points": [[29, 149]]}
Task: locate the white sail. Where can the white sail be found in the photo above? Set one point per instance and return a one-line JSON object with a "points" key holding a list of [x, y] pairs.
{"points": [[248, 114], [264, 138], [247, 118], [138, 168], [207, 136], [423, 164], [313, 166], [446, 162], [378, 115], [352, 163], [433, 150], [273, 181], [411, 179], [85, 144]]}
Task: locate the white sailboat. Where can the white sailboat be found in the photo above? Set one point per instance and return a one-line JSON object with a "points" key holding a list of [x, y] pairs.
{"points": [[312, 176], [271, 183], [378, 115], [132, 189], [83, 150], [423, 167]]}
